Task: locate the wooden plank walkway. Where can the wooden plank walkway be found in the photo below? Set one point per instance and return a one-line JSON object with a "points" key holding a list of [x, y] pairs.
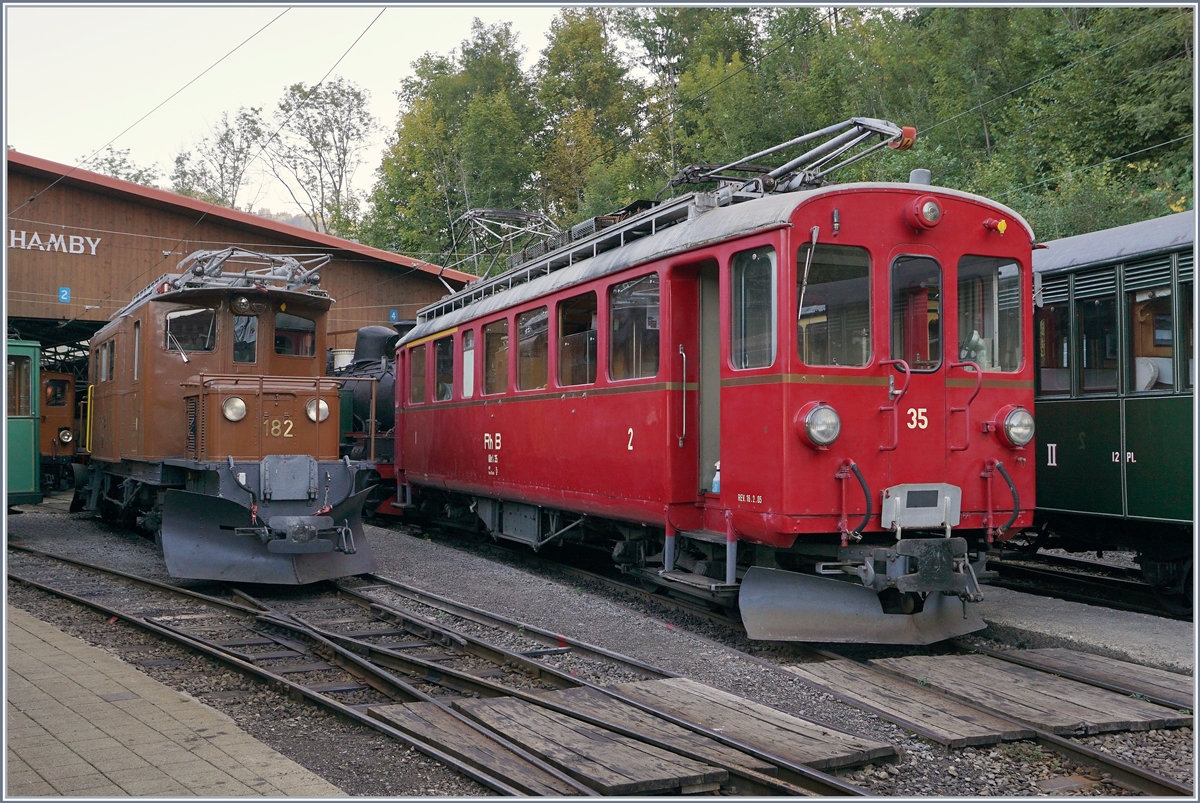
{"points": [[762, 727], [433, 724], [1161, 686], [1045, 701], [600, 706], [945, 721], [605, 761]]}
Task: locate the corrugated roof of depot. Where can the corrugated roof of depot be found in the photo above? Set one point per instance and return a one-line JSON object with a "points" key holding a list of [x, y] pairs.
{"points": [[716, 225], [1113, 245]]}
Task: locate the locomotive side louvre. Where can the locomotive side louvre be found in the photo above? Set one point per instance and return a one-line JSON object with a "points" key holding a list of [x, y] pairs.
{"points": [[895, 318], [211, 423]]}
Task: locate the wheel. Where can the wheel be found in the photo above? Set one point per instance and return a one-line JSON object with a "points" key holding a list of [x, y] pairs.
{"points": [[1176, 603]]}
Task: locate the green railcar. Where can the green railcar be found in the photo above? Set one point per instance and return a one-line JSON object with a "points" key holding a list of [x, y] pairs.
{"points": [[24, 416], [1116, 364]]}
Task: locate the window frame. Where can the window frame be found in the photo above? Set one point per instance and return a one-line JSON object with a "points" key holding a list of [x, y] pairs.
{"points": [[772, 329], [467, 378], [424, 375], [437, 385], [610, 317], [1021, 301], [558, 339], [871, 336], [521, 352], [508, 362], [275, 332], [166, 321], [941, 311]]}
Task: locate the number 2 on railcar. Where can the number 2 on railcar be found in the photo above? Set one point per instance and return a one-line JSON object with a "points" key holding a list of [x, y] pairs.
{"points": [[810, 401], [210, 424]]}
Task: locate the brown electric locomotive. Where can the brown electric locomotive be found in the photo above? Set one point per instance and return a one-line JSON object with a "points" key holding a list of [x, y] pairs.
{"points": [[211, 424]]}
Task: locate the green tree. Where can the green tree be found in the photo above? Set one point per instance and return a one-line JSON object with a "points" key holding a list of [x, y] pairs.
{"points": [[116, 163], [218, 172], [323, 130]]}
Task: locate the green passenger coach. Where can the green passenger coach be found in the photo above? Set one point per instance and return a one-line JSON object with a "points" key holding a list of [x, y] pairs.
{"points": [[24, 415], [1116, 371]]}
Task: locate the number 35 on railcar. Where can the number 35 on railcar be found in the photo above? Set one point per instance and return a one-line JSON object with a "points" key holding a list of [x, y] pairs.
{"points": [[808, 401], [211, 424]]}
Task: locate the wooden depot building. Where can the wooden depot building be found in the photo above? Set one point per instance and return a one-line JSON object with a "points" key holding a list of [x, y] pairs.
{"points": [[82, 244]]}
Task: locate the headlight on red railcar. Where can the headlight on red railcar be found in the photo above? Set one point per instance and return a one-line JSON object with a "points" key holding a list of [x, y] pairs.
{"points": [[311, 408], [233, 408], [1017, 426], [819, 424]]}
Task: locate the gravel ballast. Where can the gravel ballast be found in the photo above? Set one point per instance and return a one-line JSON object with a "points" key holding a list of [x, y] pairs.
{"points": [[361, 761]]}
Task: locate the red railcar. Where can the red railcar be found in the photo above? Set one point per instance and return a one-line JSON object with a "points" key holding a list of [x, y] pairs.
{"points": [[834, 433]]}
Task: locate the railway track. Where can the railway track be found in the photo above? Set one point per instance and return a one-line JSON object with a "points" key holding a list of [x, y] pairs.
{"points": [[1079, 580], [441, 685], [853, 671]]}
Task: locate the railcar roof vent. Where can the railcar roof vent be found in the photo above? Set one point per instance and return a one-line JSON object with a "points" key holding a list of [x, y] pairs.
{"points": [[920, 176]]}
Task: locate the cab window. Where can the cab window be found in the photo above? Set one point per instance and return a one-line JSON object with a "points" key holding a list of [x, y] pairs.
{"points": [[443, 358], [245, 338], [633, 342], [416, 375], [989, 313], [577, 340], [532, 329], [834, 323], [191, 330], [56, 393], [917, 312], [295, 336], [752, 295]]}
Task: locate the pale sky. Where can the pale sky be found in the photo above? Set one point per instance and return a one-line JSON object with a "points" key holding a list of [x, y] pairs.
{"points": [[75, 77]]}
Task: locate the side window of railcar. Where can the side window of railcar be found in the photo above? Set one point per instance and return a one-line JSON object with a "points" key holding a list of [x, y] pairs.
{"points": [[416, 375], [112, 359], [1052, 331], [495, 356], [443, 360], [245, 338], [1189, 344], [19, 385], [834, 324], [1150, 327], [102, 353], [468, 364], [577, 322], [1096, 319], [633, 341], [191, 330], [752, 319], [137, 348], [295, 336], [534, 348], [989, 313], [917, 312]]}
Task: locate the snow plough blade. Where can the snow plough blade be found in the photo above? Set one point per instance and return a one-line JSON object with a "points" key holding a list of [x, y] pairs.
{"points": [[201, 541], [779, 605]]}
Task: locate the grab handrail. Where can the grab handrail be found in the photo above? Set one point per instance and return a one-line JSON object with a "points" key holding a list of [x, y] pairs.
{"points": [[895, 403]]}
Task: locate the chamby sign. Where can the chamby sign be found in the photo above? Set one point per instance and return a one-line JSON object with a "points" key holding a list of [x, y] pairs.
{"points": [[66, 243]]}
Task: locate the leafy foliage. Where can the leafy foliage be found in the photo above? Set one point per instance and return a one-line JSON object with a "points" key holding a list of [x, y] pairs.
{"points": [[218, 172], [116, 163]]}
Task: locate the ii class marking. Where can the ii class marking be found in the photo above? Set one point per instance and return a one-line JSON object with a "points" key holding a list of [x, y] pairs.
{"points": [[917, 418]]}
